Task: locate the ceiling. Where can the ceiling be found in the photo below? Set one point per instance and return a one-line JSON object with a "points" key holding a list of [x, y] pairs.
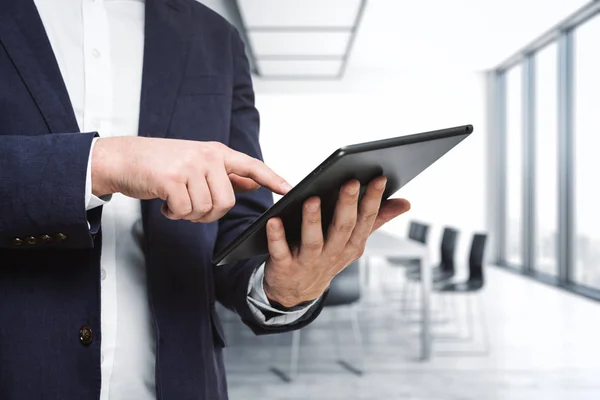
{"points": [[307, 39], [313, 38]]}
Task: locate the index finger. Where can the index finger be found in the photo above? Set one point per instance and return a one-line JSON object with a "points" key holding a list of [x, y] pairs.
{"points": [[248, 167]]}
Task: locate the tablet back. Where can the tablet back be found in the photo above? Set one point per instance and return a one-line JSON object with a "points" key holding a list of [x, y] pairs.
{"points": [[400, 159]]}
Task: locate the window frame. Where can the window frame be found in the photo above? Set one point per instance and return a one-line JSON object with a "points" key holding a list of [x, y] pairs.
{"points": [[563, 35]]}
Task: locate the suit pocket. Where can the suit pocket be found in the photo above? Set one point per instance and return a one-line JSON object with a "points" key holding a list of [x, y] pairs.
{"points": [[206, 84], [217, 328]]}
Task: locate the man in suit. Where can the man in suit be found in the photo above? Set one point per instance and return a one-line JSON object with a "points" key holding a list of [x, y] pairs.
{"points": [[103, 296]]}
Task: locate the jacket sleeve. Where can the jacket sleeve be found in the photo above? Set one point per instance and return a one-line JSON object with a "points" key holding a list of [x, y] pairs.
{"points": [[42, 191], [232, 280]]}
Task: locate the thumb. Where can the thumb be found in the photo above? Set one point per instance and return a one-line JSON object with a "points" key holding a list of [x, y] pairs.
{"points": [[389, 210]]}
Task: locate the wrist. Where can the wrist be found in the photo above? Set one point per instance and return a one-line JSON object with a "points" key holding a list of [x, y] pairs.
{"points": [[101, 164], [297, 307], [289, 301]]}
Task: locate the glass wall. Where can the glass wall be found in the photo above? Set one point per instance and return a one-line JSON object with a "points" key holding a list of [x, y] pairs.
{"points": [[549, 221], [587, 153], [514, 163], [546, 160]]}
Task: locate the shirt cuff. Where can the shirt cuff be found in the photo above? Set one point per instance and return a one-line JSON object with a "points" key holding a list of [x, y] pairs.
{"points": [[259, 303], [92, 201]]}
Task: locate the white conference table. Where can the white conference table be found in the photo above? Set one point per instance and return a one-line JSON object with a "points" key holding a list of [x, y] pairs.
{"points": [[383, 245]]}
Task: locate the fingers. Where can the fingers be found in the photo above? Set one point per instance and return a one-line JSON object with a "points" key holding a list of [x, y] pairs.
{"points": [[241, 184], [221, 192], [389, 210], [279, 250], [344, 218], [367, 214], [202, 202], [211, 186], [247, 167], [312, 231], [203, 199], [178, 203]]}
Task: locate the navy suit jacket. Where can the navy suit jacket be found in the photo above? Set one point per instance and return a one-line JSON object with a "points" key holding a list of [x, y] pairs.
{"points": [[196, 86]]}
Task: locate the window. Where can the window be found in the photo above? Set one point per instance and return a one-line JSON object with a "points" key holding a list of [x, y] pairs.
{"points": [[514, 162], [535, 164], [546, 159], [587, 154]]}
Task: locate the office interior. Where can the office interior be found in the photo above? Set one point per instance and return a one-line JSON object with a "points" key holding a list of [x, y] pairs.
{"points": [[513, 209]]}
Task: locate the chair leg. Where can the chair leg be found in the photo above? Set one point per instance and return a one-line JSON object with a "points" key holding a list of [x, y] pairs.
{"points": [[453, 319], [471, 328], [368, 272], [405, 290], [453, 310], [443, 305], [440, 311], [359, 345], [484, 328], [358, 338], [470, 322], [412, 302], [295, 356], [414, 299], [388, 276], [390, 282], [470, 317], [338, 335]]}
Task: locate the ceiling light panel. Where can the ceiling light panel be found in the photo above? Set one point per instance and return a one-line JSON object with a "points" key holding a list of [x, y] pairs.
{"points": [[266, 44], [299, 68], [299, 13]]}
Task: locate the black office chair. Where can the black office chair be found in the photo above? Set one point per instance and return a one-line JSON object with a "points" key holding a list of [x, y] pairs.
{"points": [[471, 287], [419, 232], [445, 271], [343, 291], [476, 275], [416, 231]]}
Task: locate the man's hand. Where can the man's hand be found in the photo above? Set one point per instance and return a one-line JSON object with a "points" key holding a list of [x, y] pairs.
{"points": [[197, 180], [299, 275]]}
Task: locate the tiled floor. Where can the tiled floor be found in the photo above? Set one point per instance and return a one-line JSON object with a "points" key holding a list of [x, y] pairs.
{"points": [[545, 344]]}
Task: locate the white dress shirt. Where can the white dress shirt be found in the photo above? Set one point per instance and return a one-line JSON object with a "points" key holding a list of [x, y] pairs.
{"points": [[99, 46]]}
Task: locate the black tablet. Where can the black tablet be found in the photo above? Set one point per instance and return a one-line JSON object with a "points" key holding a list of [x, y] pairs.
{"points": [[400, 159]]}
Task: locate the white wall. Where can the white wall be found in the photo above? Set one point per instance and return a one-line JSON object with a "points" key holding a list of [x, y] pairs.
{"points": [[301, 128]]}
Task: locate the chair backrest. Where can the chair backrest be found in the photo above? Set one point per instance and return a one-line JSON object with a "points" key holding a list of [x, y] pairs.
{"points": [[424, 234], [448, 249], [476, 258], [413, 230], [418, 231], [345, 287]]}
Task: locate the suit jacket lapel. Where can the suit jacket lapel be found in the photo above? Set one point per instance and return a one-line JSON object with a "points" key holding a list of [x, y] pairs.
{"points": [[24, 38], [166, 46]]}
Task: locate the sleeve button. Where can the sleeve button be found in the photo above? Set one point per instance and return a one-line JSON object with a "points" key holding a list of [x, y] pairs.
{"points": [[30, 240], [45, 239], [59, 237], [16, 241]]}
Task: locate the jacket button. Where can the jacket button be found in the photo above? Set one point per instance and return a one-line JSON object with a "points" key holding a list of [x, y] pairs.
{"points": [[59, 237], [30, 240], [16, 241], [86, 336], [45, 239]]}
